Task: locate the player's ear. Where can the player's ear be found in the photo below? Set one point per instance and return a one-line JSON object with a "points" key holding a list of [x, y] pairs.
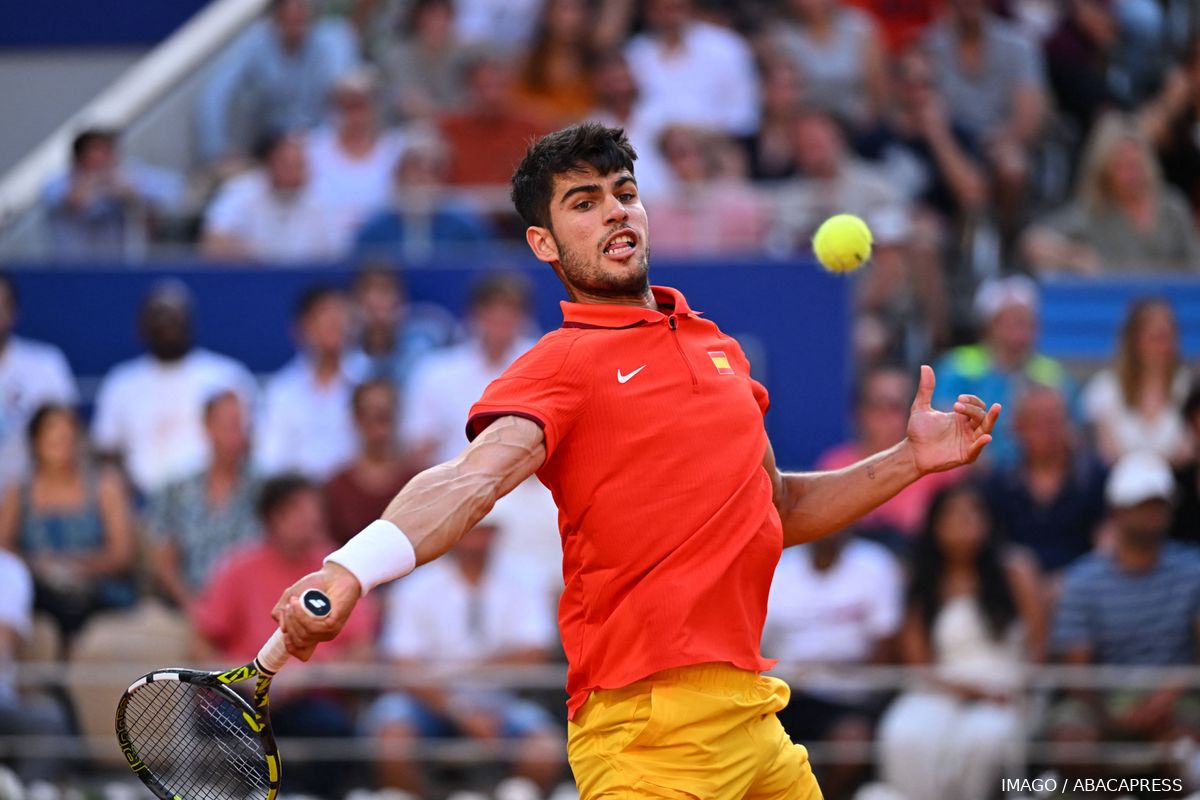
{"points": [[541, 242]]}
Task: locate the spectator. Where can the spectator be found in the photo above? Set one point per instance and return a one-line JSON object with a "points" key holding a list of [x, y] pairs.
{"points": [[921, 148], [271, 213], [704, 212], [280, 71], [193, 522], [552, 83], [504, 24], [104, 207], [445, 383], [72, 525], [1051, 500], [231, 618], [938, 165], [23, 715], [974, 615], [1084, 59], [468, 610], [393, 332], [422, 69], [837, 601], [32, 374], [424, 212], [1169, 120], [1078, 55], [784, 99], [881, 418], [837, 49], [1123, 217], [1136, 404], [352, 159], [618, 104], [357, 495], [693, 72], [901, 25], [1136, 605], [1004, 362], [993, 81], [835, 181], [489, 116], [306, 421], [149, 410], [1185, 525]]}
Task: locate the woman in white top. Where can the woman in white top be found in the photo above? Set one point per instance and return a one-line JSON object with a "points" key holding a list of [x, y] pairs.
{"points": [[840, 56], [975, 616], [1136, 403]]}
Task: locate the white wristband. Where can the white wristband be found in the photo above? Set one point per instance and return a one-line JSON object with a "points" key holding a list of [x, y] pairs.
{"points": [[377, 554]]}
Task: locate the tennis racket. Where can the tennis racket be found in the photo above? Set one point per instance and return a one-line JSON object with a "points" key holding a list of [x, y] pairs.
{"points": [[189, 736]]}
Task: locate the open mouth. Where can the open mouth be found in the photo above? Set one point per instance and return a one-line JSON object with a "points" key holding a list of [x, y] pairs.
{"points": [[621, 244]]}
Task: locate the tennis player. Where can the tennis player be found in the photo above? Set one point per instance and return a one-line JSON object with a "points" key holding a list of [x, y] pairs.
{"points": [[642, 419]]}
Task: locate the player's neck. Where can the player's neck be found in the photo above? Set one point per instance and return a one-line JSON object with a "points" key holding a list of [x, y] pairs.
{"points": [[640, 299]]}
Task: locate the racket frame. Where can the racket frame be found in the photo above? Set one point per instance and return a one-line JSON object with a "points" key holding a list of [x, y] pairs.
{"points": [[255, 716]]}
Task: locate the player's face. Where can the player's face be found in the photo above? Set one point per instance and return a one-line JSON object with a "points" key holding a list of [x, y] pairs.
{"points": [[599, 239]]}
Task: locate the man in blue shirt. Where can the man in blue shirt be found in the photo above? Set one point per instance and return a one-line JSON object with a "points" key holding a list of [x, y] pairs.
{"points": [[284, 68], [1137, 605]]}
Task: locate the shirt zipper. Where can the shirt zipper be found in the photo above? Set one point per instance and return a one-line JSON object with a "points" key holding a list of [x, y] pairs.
{"points": [[673, 324]]}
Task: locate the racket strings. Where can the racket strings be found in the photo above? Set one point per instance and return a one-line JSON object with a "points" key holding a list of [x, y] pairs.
{"points": [[196, 743]]}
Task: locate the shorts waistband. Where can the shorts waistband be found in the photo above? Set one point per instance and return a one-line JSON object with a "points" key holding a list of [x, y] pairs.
{"points": [[707, 676]]}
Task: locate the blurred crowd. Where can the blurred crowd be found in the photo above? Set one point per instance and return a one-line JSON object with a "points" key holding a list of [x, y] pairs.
{"points": [[198, 488], [984, 142], [976, 137]]}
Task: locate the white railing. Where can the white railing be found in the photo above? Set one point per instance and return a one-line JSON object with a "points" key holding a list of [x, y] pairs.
{"points": [[130, 96]]}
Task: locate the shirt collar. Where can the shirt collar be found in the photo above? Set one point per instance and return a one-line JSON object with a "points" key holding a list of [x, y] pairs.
{"points": [[612, 315]]}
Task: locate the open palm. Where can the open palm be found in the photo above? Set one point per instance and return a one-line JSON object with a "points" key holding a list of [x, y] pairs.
{"points": [[942, 440]]}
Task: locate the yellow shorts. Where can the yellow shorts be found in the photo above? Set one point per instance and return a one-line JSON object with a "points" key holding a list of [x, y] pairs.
{"points": [[705, 732]]}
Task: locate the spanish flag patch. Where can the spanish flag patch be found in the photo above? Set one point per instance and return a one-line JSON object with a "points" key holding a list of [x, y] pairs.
{"points": [[721, 362]]}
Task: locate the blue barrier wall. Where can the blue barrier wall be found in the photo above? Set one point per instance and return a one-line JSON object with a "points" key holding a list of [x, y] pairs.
{"points": [[86, 23], [791, 317], [1081, 317]]}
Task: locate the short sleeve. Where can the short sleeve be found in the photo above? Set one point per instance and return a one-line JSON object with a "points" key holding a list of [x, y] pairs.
{"points": [[401, 636], [227, 213], [1071, 627], [16, 594], [887, 606], [741, 362], [548, 385], [1099, 398], [107, 430]]}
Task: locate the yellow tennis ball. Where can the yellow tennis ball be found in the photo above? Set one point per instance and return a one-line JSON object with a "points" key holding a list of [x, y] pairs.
{"points": [[842, 243]]}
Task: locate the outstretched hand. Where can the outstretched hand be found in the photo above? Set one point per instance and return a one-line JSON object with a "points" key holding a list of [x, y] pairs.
{"points": [[942, 440]]}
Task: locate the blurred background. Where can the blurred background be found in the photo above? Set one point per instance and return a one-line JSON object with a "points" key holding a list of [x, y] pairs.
{"points": [[257, 260]]}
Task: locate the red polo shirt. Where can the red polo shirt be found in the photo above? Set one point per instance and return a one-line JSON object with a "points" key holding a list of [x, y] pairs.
{"points": [[654, 449]]}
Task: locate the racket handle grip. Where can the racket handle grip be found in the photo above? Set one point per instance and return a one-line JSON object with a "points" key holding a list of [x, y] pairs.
{"points": [[274, 654]]}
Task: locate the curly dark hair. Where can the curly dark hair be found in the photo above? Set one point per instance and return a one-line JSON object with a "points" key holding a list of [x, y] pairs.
{"points": [[606, 149]]}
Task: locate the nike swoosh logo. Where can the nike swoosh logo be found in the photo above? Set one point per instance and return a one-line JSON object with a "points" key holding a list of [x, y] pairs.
{"points": [[622, 378]]}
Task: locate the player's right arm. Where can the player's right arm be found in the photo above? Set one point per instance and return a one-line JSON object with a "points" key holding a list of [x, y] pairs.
{"points": [[433, 511]]}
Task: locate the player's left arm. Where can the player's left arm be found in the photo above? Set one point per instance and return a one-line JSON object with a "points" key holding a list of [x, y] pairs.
{"points": [[814, 504]]}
